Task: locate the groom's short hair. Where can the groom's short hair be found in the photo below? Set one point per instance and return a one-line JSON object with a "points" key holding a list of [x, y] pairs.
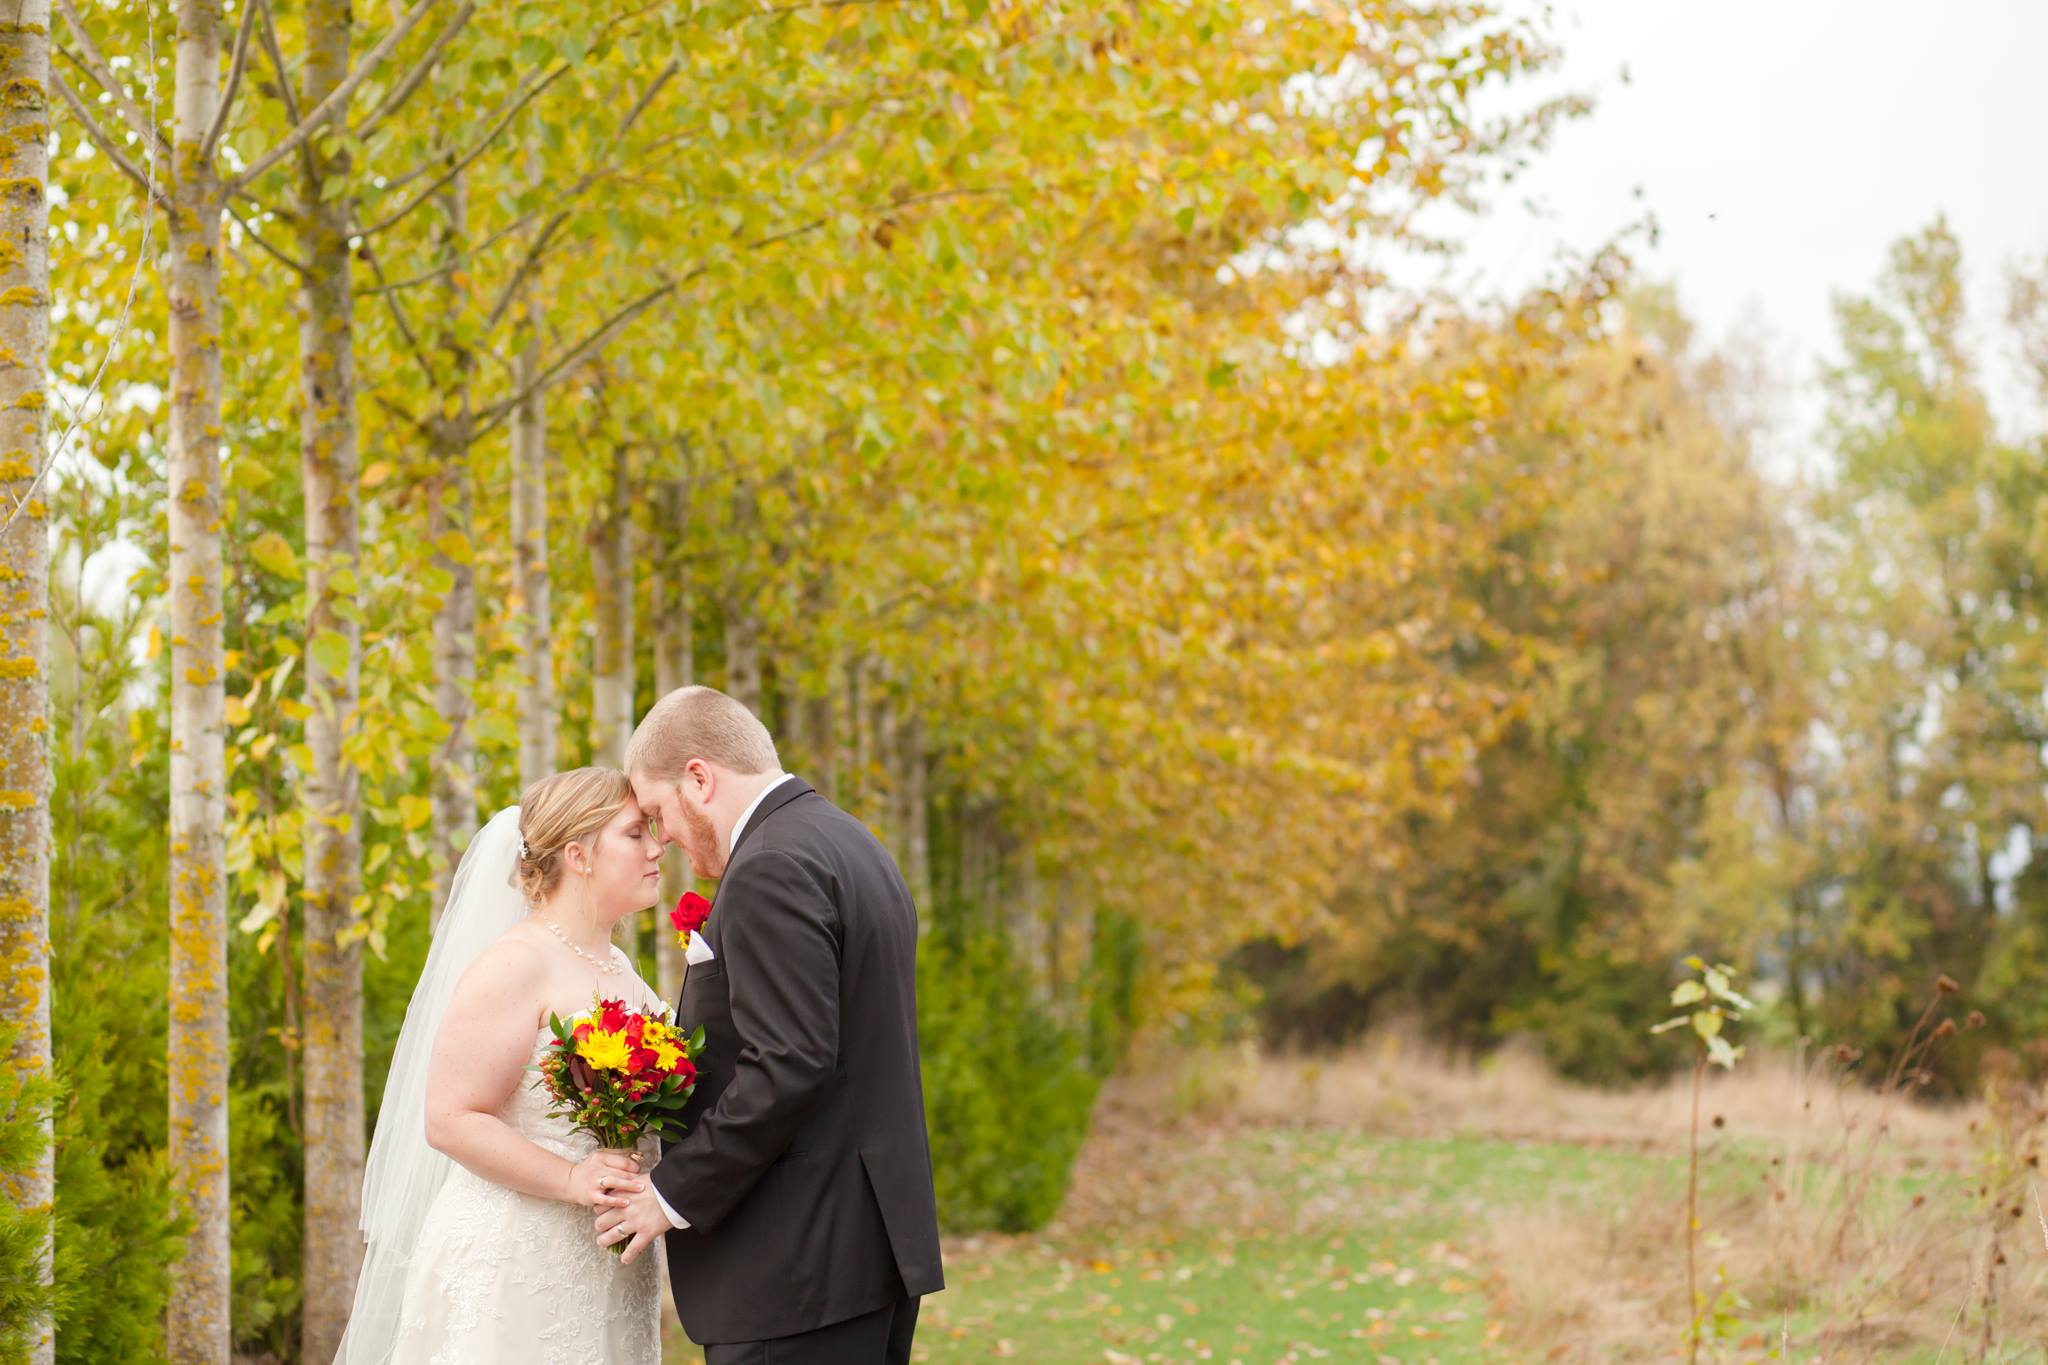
{"points": [[700, 722]]}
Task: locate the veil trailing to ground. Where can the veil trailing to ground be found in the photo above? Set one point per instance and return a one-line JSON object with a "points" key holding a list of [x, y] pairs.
{"points": [[403, 1173]]}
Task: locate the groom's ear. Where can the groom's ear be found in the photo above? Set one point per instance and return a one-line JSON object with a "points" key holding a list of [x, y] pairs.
{"points": [[697, 778]]}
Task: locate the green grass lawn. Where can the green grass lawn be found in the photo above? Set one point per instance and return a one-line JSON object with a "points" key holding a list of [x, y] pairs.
{"points": [[1257, 1246], [1269, 1245]]}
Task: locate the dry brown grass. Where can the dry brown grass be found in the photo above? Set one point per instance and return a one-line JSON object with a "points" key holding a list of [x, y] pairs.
{"points": [[1393, 1084], [1809, 1214]]}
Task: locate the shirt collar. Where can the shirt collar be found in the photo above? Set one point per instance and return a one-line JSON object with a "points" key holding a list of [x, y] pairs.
{"points": [[748, 814]]}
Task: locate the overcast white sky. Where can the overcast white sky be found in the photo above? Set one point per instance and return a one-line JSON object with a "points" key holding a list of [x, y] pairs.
{"points": [[1782, 147]]}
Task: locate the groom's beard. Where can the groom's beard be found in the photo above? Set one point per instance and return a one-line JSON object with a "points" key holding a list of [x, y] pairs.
{"points": [[700, 843]]}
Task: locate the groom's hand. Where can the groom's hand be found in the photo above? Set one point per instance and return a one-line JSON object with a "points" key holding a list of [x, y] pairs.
{"points": [[642, 1220]]}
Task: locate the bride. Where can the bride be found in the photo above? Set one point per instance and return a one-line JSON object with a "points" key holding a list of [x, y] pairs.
{"points": [[476, 1204]]}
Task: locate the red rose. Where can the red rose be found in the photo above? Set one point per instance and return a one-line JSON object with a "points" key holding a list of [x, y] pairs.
{"points": [[687, 1069], [580, 1032], [690, 913], [641, 1061], [614, 1017], [635, 1028]]}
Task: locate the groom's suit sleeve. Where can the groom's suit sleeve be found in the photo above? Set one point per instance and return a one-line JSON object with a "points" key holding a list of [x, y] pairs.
{"points": [[781, 953]]}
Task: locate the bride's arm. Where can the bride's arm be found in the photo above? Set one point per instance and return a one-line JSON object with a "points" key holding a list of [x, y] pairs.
{"points": [[480, 1058]]}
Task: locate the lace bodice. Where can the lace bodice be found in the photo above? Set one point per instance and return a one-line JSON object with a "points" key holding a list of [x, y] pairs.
{"points": [[527, 1111], [501, 1276]]}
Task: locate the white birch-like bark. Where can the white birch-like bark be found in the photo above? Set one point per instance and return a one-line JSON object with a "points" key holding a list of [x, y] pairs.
{"points": [[530, 582], [332, 1045], [452, 500], [675, 666], [611, 578], [24, 597], [197, 1328]]}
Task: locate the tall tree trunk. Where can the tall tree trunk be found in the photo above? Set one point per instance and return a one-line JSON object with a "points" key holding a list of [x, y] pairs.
{"points": [[24, 601], [911, 814], [743, 652], [333, 1043], [611, 672], [530, 584], [886, 765], [742, 620], [452, 500], [611, 580], [197, 1325], [821, 733], [675, 665], [854, 781]]}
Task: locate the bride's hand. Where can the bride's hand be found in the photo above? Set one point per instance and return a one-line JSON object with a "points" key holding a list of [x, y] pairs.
{"points": [[603, 1180]]}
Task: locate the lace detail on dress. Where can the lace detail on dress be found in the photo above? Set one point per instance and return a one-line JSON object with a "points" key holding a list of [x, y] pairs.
{"points": [[504, 1276]]}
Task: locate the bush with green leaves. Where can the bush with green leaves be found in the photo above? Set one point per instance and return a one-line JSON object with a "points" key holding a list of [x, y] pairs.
{"points": [[1007, 1087]]}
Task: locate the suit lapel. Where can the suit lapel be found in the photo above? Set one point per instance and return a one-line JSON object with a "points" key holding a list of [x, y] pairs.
{"points": [[786, 791]]}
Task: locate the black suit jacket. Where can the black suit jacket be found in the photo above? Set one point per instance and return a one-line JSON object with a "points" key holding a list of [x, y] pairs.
{"points": [[806, 1174]]}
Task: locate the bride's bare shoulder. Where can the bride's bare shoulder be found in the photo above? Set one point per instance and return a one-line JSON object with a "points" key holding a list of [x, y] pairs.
{"points": [[513, 959]]}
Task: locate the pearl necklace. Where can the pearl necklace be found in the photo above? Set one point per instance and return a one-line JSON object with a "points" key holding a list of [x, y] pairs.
{"points": [[609, 966]]}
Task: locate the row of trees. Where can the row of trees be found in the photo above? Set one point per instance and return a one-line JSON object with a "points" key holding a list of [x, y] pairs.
{"points": [[1799, 726], [930, 376]]}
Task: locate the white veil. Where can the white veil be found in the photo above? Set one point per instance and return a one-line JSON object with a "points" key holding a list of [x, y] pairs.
{"points": [[404, 1174]]}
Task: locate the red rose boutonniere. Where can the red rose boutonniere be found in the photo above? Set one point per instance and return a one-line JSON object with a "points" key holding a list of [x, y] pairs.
{"points": [[689, 916]]}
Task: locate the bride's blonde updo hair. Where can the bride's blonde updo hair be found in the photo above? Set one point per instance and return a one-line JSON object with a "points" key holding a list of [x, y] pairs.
{"points": [[560, 810]]}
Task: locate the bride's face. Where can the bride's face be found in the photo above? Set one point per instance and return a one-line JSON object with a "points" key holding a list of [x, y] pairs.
{"points": [[624, 859]]}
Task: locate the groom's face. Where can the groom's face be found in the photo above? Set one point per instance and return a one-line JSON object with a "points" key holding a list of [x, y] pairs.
{"points": [[683, 824], [700, 842]]}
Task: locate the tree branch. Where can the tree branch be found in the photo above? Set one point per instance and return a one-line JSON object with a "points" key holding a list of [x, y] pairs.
{"points": [[535, 254], [489, 419], [519, 224], [538, 249], [94, 64], [777, 11], [396, 97], [285, 93], [621, 20], [401, 414], [398, 317], [337, 100], [482, 145], [283, 258], [234, 81], [100, 138]]}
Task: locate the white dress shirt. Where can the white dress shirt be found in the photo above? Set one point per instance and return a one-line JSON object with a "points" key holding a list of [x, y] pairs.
{"points": [[730, 844]]}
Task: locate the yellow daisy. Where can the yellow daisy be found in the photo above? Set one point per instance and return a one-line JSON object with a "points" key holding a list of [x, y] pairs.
{"points": [[605, 1050]]}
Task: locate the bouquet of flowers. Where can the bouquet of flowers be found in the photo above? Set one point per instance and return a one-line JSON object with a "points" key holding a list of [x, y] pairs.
{"points": [[619, 1074]]}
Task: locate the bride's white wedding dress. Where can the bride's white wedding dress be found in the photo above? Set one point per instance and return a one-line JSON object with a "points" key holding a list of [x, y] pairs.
{"points": [[503, 1276], [460, 1271]]}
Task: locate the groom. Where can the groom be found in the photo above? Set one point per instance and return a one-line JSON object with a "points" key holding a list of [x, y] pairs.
{"points": [[798, 1209]]}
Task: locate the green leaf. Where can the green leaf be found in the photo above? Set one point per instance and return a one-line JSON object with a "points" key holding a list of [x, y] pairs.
{"points": [[329, 649], [249, 474], [454, 545], [1707, 1023], [1721, 1054], [275, 554], [1688, 993]]}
